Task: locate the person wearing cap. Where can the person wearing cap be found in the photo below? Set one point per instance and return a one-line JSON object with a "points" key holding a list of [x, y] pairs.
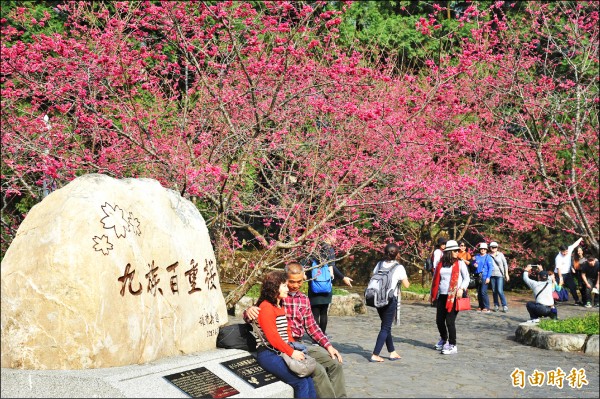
{"points": [[485, 266], [450, 281], [499, 275], [543, 303]]}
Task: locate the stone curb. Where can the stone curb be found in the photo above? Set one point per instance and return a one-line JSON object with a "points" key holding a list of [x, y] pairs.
{"points": [[532, 335]]}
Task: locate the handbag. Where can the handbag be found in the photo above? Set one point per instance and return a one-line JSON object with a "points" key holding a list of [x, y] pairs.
{"points": [[479, 279], [302, 368], [472, 281], [463, 303]]}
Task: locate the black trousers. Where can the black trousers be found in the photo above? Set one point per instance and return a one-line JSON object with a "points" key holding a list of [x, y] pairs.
{"points": [[446, 321], [569, 282], [320, 314], [537, 310], [582, 288], [588, 292]]}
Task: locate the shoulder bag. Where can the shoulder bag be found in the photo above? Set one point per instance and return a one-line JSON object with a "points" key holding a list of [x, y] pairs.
{"points": [[543, 288], [302, 368], [499, 267]]}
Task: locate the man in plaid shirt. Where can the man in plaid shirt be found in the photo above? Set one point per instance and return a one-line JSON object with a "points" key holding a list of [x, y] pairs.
{"points": [[329, 375]]}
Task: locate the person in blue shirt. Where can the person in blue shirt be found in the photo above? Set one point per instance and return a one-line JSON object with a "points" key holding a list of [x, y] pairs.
{"points": [[485, 266]]}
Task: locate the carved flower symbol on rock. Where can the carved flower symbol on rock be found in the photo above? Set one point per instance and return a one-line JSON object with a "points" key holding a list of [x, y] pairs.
{"points": [[102, 244], [114, 219]]}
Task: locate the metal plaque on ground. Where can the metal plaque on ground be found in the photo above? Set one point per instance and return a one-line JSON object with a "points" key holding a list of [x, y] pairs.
{"points": [[250, 371], [201, 383]]}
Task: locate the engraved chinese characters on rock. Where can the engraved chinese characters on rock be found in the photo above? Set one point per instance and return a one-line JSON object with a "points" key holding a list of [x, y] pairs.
{"points": [[101, 265], [153, 278], [117, 220]]}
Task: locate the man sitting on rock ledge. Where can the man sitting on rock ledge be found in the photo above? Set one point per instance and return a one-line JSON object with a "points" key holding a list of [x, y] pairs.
{"points": [[543, 305], [329, 375]]}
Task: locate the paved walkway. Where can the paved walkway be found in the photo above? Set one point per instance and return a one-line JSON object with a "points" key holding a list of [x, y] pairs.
{"points": [[487, 355]]}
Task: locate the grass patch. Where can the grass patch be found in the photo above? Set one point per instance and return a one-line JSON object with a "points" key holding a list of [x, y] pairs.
{"points": [[254, 292], [575, 325], [418, 288]]}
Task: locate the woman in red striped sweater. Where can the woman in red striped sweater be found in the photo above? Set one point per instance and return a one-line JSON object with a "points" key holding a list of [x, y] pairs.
{"points": [[273, 323]]}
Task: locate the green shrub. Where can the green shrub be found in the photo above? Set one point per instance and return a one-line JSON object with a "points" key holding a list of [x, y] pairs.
{"points": [[575, 325], [254, 292]]}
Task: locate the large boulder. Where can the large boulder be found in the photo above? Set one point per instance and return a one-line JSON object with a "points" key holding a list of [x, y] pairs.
{"points": [[107, 272]]}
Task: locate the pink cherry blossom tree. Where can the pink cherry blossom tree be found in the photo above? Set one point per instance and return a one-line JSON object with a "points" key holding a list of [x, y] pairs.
{"points": [[280, 137]]}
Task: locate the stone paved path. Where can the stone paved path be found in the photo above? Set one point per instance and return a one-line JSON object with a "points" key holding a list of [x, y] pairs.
{"points": [[487, 355]]}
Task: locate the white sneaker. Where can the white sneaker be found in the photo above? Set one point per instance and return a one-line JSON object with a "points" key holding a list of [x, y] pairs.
{"points": [[533, 321], [451, 350], [505, 309], [440, 345], [496, 308]]}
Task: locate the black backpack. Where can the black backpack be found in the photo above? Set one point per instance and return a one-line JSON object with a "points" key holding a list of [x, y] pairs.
{"points": [[429, 263], [236, 336]]}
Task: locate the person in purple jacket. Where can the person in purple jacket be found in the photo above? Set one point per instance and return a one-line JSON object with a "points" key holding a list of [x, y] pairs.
{"points": [[485, 266]]}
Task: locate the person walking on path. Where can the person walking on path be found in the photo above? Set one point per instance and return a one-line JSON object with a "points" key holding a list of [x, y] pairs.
{"points": [[387, 313], [273, 324], [319, 302], [328, 377], [543, 303], [485, 266], [499, 276], [564, 270], [450, 281]]}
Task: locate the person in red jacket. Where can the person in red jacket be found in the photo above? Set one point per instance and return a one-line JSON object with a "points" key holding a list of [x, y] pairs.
{"points": [[273, 323]]}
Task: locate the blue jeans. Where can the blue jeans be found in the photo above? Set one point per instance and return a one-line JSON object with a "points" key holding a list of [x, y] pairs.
{"points": [[498, 289], [274, 364], [482, 296], [386, 314]]}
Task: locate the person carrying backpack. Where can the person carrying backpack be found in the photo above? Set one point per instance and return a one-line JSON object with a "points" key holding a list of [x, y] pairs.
{"points": [[395, 273], [320, 289]]}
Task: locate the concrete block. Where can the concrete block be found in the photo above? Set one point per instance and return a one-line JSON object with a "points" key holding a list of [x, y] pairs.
{"points": [[137, 381]]}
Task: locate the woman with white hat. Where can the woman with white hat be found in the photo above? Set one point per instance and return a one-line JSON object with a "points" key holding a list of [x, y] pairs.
{"points": [[485, 265], [450, 280]]}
